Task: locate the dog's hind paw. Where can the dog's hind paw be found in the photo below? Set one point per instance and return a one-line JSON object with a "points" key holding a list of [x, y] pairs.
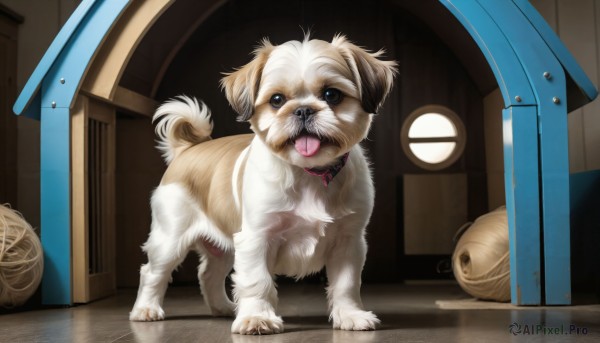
{"points": [[257, 325], [147, 314]]}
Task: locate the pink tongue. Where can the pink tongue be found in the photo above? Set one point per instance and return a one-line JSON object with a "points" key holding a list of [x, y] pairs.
{"points": [[307, 145]]}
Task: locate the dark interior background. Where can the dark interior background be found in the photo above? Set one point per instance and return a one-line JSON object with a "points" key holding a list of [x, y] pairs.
{"points": [[438, 63]]}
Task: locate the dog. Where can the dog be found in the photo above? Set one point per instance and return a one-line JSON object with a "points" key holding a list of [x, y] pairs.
{"points": [[291, 198]]}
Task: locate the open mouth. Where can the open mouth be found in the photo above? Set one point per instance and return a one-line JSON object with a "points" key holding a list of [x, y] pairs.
{"points": [[307, 144]]}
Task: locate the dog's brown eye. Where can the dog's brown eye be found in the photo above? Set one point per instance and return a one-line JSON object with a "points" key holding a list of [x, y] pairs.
{"points": [[332, 96], [277, 100]]}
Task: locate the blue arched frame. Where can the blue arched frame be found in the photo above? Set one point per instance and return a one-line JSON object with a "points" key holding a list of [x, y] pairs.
{"points": [[530, 64]]}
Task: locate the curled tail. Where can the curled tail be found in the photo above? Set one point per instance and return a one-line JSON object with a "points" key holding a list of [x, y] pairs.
{"points": [[181, 123]]}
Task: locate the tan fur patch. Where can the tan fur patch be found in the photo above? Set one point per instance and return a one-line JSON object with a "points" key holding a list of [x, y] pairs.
{"points": [[206, 171]]}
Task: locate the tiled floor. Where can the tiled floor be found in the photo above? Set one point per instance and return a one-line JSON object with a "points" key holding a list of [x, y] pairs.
{"points": [[408, 314]]}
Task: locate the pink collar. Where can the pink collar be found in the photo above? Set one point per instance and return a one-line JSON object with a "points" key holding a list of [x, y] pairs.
{"points": [[327, 174]]}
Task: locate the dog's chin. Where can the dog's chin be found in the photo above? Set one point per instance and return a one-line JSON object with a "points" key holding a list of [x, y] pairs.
{"points": [[308, 151]]}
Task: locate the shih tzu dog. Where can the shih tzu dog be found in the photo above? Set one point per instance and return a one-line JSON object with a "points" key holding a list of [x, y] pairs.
{"points": [[290, 199]]}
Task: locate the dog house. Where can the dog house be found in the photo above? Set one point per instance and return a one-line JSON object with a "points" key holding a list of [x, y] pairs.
{"points": [[85, 79]]}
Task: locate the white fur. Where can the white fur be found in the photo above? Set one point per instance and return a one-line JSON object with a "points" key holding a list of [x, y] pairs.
{"points": [[176, 113], [178, 226], [237, 169], [289, 227], [290, 223], [295, 228]]}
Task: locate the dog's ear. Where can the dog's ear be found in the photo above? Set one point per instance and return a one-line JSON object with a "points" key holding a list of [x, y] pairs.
{"points": [[241, 86], [373, 76]]}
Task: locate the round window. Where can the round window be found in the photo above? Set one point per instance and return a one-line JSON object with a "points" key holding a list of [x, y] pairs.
{"points": [[433, 137]]}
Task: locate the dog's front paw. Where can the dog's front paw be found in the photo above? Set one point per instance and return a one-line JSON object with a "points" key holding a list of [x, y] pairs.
{"points": [[147, 314], [354, 320], [257, 325]]}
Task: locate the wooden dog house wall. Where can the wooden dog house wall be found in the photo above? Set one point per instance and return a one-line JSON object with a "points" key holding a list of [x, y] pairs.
{"points": [[101, 65]]}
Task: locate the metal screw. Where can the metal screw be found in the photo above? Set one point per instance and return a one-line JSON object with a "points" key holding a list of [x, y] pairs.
{"points": [[547, 75], [518, 98], [62, 80], [556, 100], [53, 104]]}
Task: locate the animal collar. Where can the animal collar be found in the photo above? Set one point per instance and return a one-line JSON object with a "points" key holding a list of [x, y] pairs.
{"points": [[327, 174]]}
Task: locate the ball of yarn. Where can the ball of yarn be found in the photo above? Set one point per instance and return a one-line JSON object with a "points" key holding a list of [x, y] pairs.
{"points": [[21, 259], [481, 261]]}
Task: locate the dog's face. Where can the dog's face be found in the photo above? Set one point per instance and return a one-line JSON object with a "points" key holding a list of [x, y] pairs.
{"points": [[310, 102]]}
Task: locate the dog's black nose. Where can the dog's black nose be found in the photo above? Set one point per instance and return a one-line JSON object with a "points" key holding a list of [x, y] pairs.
{"points": [[304, 112]]}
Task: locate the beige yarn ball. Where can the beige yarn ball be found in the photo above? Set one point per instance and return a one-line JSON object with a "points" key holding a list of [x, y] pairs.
{"points": [[21, 259], [481, 260]]}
